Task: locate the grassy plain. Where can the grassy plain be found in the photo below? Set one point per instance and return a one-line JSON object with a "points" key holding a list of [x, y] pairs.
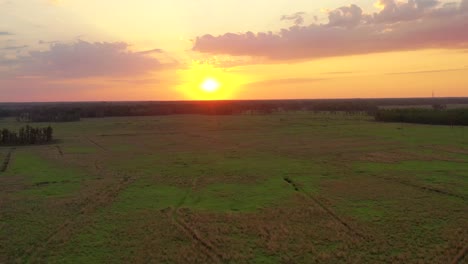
{"points": [[282, 188]]}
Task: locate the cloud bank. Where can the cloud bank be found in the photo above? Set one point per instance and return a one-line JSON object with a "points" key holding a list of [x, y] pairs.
{"points": [[83, 59], [411, 25]]}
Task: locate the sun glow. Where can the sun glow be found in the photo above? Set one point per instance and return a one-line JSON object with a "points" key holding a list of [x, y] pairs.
{"points": [[210, 85], [203, 81]]}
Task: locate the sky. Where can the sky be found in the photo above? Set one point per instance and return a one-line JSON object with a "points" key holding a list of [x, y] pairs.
{"points": [[116, 50]]}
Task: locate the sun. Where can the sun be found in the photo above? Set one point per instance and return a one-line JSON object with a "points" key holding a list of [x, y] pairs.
{"points": [[204, 81], [210, 85]]}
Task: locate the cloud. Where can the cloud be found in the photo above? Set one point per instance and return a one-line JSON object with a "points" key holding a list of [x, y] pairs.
{"points": [[151, 51], [347, 16], [394, 11], [464, 5], [14, 47], [83, 59], [297, 18], [283, 82], [429, 71], [5, 33], [413, 25]]}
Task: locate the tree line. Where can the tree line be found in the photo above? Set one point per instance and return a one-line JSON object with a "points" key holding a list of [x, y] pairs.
{"points": [[424, 116], [26, 136], [49, 114], [68, 112]]}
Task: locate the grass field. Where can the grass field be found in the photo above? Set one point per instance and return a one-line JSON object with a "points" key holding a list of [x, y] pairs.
{"points": [[284, 188]]}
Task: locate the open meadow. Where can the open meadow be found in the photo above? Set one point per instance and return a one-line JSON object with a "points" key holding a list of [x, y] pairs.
{"points": [[294, 187]]}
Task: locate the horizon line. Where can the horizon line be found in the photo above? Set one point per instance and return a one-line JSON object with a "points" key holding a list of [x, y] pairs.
{"points": [[233, 100]]}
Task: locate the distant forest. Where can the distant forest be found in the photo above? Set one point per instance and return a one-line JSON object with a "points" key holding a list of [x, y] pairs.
{"points": [[63, 112], [26, 136], [69, 112], [425, 116]]}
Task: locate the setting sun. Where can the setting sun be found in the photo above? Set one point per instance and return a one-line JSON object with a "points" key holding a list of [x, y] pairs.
{"points": [[203, 81], [210, 85]]}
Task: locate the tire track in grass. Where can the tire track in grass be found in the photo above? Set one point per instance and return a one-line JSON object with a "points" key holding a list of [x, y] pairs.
{"points": [[460, 256], [96, 144], [424, 188], [328, 210], [91, 204], [416, 186], [7, 159], [207, 247], [59, 150]]}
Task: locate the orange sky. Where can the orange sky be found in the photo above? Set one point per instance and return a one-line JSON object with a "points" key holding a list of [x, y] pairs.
{"points": [[70, 50]]}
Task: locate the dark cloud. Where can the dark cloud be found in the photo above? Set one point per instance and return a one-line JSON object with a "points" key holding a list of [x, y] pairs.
{"points": [[151, 51], [83, 59], [413, 25]]}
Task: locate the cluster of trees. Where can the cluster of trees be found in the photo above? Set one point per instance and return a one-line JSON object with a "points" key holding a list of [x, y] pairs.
{"points": [[26, 136], [424, 116]]}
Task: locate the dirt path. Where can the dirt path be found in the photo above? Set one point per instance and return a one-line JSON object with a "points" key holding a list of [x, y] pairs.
{"points": [[327, 209], [90, 205], [6, 161]]}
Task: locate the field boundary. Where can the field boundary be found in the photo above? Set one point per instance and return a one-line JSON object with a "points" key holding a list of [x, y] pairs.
{"points": [[328, 210], [7, 160]]}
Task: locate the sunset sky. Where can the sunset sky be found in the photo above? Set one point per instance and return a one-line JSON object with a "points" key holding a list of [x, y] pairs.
{"points": [[88, 50]]}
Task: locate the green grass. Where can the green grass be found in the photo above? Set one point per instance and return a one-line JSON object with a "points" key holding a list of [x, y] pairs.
{"points": [[446, 174], [93, 244], [259, 177], [239, 197], [80, 149], [264, 258], [45, 177], [227, 175], [143, 196], [366, 210]]}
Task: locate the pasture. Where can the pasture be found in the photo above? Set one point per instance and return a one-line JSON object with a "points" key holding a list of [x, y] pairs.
{"points": [[283, 188]]}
